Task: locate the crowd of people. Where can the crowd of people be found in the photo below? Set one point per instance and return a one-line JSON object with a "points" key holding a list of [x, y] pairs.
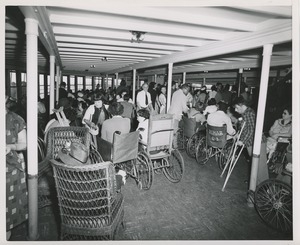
{"points": [[113, 110]]}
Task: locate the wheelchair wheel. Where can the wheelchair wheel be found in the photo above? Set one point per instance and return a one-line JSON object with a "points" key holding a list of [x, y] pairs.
{"points": [[180, 140], [192, 144], [224, 155], [175, 166], [201, 150], [273, 202], [144, 171]]}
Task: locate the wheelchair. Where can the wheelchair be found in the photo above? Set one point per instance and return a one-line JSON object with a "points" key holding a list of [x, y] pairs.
{"points": [[124, 154], [159, 150], [273, 198], [278, 156], [188, 135], [214, 144]]}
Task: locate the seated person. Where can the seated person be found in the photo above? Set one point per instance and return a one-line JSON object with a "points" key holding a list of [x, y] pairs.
{"points": [[211, 107], [281, 128], [96, 113], [196, 113], [219, 118], [143, 116], [116, 123]]}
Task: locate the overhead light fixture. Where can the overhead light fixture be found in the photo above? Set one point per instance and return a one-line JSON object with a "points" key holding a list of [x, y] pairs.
{"points": [[104, 59], [137, 36], [92, 66]]}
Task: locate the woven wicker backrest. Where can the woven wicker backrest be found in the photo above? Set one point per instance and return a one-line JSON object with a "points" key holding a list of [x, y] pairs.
{"points": [[85, 193], [125, 147], [189, 126], [216, 136], [160, 133], [58, 136]]}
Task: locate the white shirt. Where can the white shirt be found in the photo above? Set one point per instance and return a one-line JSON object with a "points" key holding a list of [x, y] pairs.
{"points": [[140, 99], [210, 109], [144, 133], [178, 104], [218, 119]]}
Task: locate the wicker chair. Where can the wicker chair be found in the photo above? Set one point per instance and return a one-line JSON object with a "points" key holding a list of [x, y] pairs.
{"points": [[56, 139], [90, 207]]}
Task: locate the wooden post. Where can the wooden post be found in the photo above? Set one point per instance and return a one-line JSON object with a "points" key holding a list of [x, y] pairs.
{"points": [[32, 125], [183, 77], [267, 52], [170, 70], [133, 85]]}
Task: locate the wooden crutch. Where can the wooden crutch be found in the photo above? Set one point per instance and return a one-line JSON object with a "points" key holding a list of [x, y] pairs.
{"points": [[231, 161]]}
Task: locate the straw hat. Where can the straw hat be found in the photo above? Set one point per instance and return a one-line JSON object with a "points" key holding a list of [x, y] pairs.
{"points": [[76, 154]]}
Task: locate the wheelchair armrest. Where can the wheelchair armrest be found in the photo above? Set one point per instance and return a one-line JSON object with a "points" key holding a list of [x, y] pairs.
{"points": [[284, 139]]}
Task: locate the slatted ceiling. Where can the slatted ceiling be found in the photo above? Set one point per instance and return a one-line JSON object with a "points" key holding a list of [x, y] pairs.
{"points": [[85, 34]]}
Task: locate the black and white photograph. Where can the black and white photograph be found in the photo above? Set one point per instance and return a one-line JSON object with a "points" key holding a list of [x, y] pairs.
{"points": [[155, 121]]}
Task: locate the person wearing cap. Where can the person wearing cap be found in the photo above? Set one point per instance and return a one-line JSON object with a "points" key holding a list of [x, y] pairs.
{"points": [[143, 99], [116, 123], [96, 113]]}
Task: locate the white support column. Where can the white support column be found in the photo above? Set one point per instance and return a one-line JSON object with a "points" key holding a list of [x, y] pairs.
{"points": [[183, 77], [52, 83], [267, 52], [117, 78], [240, 78], [133, 85], [106, 82], [170, 70], [204, 81], [57, 83], [32, 125]]}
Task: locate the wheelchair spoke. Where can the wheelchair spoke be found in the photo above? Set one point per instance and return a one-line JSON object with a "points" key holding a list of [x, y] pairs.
{"points": [[175, 167], [201, 150], [144, 171], [273, 201]]}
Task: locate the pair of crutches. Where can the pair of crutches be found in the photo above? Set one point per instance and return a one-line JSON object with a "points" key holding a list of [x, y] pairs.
{"points": [[233, 158]]}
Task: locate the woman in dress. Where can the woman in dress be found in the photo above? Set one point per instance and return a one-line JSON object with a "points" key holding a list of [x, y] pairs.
{"points": [[16, 186], [281, 128]]}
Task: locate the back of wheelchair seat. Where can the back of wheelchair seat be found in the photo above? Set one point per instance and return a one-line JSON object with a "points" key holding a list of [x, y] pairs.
{"points": [[125, 147], [160, 134], [189, 126], [216, 136]]}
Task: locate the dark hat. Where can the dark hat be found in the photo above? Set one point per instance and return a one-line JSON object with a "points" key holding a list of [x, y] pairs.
{"points": [[76, 154]]}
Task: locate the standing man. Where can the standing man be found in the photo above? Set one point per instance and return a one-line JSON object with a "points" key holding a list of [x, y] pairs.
{"points": [[143, 99], [178, 107], [247, 138], [62, 91]]}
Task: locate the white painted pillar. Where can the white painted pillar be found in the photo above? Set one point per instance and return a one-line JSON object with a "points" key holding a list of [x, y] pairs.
{"points": [[183, 77], [117, 78], [170, 70], [155, 78], [106, 81], [204, 81], [267, 52], [52, 83], [240, 78], [32, 125], [57, 83], [133, 85]]}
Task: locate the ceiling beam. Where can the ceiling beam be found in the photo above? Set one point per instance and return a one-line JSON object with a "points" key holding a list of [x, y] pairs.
{"points": [[278, 34], [46, 34], [129, 23], [188, 15]]}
